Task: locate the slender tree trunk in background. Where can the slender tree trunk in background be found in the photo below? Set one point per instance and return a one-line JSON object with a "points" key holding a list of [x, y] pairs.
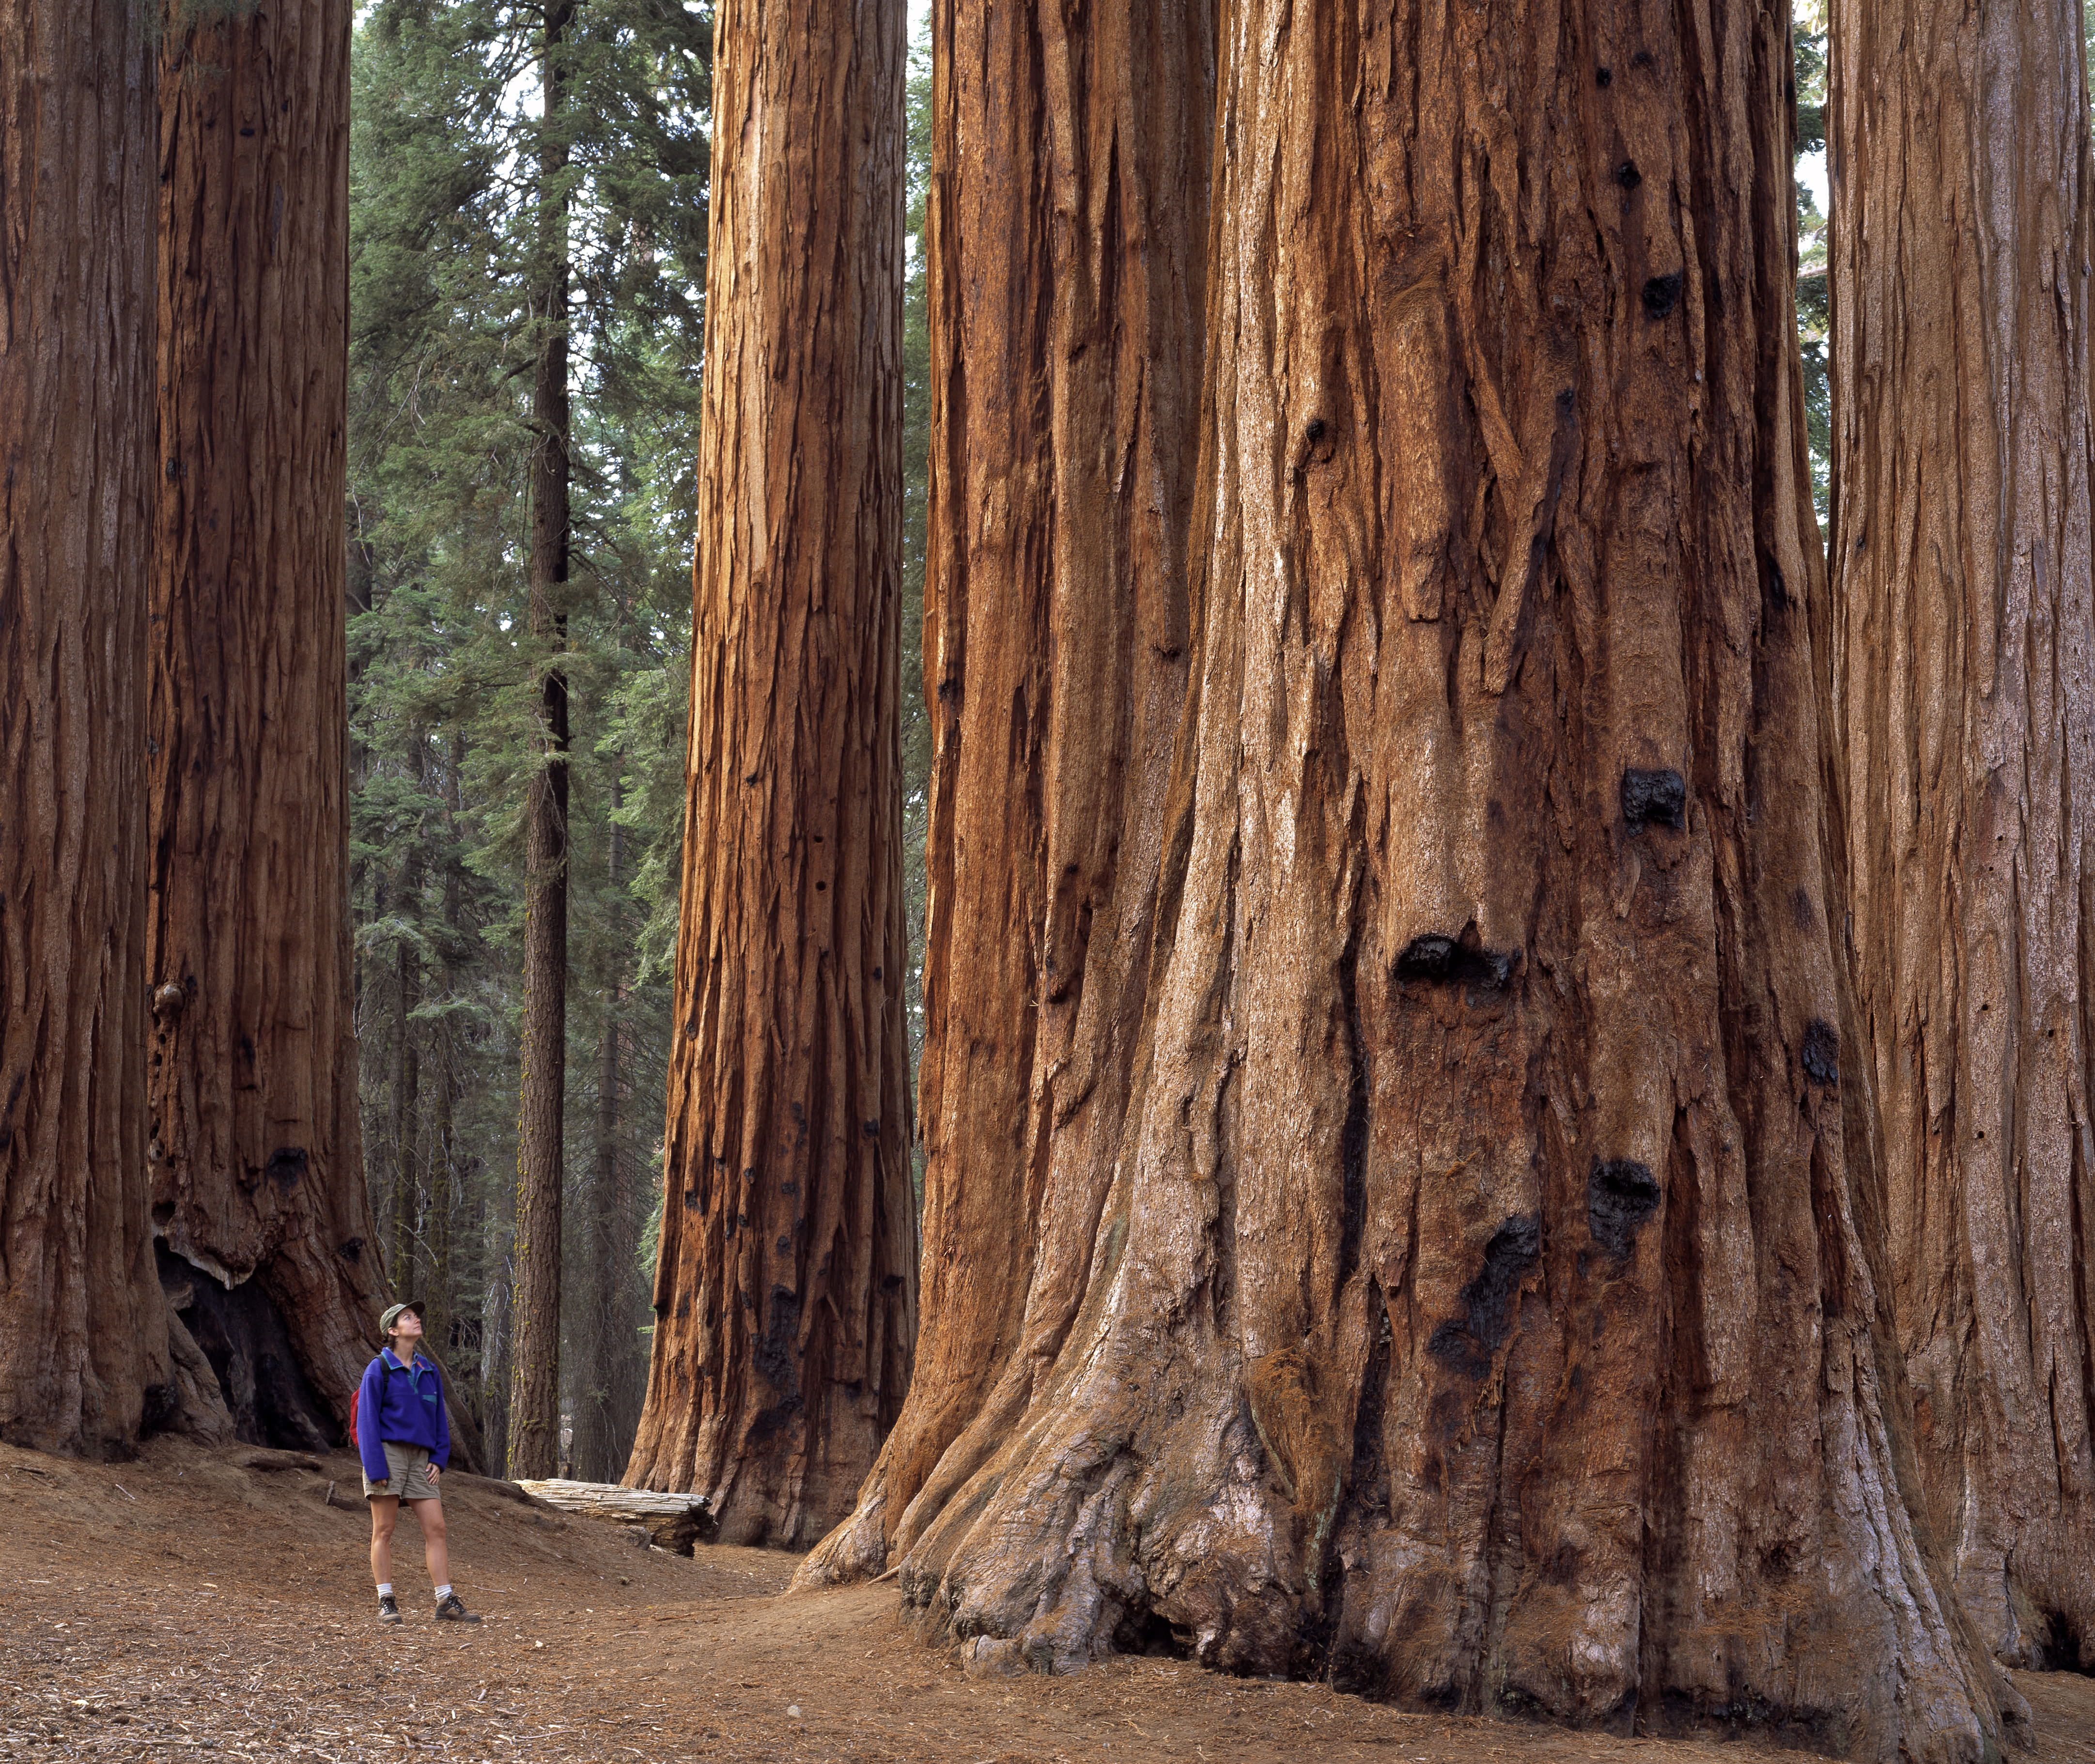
{"points": [[785, 1295], [601, 1443], [406, 1085], [1965, 666], [534, 1390], [443, 1196], [1482, 1311], [443, 1293], [257, 1153], [1067, 227], [83, 1332]]}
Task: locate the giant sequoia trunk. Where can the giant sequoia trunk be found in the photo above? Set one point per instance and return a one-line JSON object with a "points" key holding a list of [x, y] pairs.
{"points": [[256, 1156], [785, 1295], [534, 1376], [1067, 226], [1480, 1308], [1965, 664], [83, 1337]]}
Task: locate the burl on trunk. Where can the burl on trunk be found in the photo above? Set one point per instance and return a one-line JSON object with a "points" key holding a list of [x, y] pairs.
{"points": [[256, 1149], [785, 1292], [1480, 1304], [1965, 655]]}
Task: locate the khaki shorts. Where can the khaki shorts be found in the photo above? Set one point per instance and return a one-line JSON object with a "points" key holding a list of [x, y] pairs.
{"points": [[410, 1478]]}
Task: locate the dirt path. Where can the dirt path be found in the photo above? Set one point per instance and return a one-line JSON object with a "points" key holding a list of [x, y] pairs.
{"points": [[182, 1607]]}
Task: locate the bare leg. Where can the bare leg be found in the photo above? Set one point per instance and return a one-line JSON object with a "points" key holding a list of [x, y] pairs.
{"points": [[384, 1512], [435, 1549]]}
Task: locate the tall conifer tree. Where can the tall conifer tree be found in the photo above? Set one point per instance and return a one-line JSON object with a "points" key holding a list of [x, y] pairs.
{"points": [[785, 1294]]}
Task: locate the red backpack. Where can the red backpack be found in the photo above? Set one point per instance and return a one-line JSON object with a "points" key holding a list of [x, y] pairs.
{"points": [[385, 1373]]}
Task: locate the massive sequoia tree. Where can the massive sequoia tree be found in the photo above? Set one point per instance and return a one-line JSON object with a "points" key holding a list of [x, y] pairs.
{"points": [[1482, 1306], [83, 1341], [1067, 229], [1964, 656], [255, 1152], [785, 1294]]}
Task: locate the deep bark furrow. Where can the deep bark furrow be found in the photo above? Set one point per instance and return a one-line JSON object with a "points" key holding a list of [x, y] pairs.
{"points": [[1964, 665], [785, 1289]]}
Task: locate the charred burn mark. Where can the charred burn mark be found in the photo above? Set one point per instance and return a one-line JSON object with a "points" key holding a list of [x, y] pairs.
{"points": [[1603, 77], [1439, 960], [286, 1164], [872, 1130], [1820, 1053], [1661, 295], [1620, 1195], [352, 1249], [1469, 1341], [1628, 176], [1315, 432], [772, 1351], [1653, 798]]}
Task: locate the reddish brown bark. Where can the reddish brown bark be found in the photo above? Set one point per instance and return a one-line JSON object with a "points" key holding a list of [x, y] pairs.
{"points": [[256, 1152], [1965, 657], [785, 1295], [534, 1377], [1067, 225], [83, 1335], [1481, 1309]]}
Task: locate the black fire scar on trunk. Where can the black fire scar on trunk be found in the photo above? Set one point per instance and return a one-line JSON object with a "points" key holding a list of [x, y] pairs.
{"points": [[1821, 1051], [1653, 798], [1620, 1195], [1443, 962], [1469, 1340]]}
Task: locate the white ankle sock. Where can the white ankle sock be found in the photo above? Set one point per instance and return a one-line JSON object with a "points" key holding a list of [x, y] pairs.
{"points": [[443, 1591], [385, 1589]]}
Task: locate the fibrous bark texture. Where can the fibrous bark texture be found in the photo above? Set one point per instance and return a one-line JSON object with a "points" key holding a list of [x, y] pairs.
{"points": [[534, 1376], [83, 1357], [1965, 680], [255, 1150], [1481, 1309], [785, 1292], [1067, 232]]}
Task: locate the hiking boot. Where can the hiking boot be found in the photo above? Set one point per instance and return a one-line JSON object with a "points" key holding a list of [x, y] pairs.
{"points": [[389, 1610], [451, 1610]]}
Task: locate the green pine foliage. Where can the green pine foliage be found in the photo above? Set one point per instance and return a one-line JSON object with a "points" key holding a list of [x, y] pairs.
{"points": [[444, 201]]}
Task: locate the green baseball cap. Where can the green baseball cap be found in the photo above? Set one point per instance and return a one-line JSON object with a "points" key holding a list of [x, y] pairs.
{"points": [[392, 1315]]}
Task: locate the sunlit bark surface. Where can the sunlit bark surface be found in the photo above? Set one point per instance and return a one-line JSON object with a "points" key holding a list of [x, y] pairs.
{"points": [[1481, 1307], [1067, 229], [1965, 657]]}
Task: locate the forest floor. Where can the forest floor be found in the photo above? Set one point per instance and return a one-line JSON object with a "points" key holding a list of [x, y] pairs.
{"points": [[182, 1605]]}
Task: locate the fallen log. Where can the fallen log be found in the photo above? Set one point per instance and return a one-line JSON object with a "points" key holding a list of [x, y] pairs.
{"points": [[673, 1522], [263, 1458]]}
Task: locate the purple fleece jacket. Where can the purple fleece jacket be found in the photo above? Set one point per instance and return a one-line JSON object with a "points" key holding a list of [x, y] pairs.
{"points": [[404, 1405]]}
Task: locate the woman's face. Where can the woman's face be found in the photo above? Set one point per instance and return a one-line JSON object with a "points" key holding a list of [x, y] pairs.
{"points": [[406, 1334]]}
